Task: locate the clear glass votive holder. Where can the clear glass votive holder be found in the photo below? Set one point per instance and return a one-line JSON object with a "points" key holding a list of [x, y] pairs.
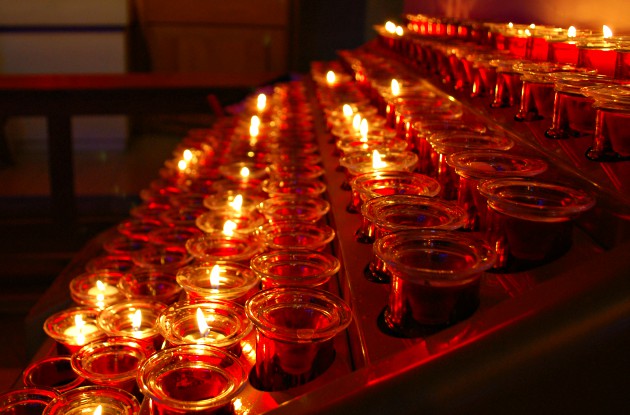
{"points": [[244, 187], [150, 285], [162, 258], [296, 268], [302, 187], [26, 401], [218, 280], [136, 319], [52, 372], [382, 183], [96, 289], [435, 277], [219, 246], [173, 235], [360, 162], [474, 166], [244, 222], [74, 327], [229, 199], [217, 323], [191, 379], [529, 222], [237, 173], [294, 207], [295, 328], [611, 141], [111, 362], [87, 400], [296, 235]]}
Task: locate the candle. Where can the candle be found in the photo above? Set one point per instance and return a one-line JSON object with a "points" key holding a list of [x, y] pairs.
{"points": [[192, 379], [217, 246], [294, 207], [223, 280], [435, 277], [292, 234], [295, 330], [598, 52], [136, 319], [96, 289], [93, 400], [303, 268], [74, 327]]}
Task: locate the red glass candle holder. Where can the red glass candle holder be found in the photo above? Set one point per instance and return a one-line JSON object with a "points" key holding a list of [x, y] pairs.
{"points": [[52, 372], [26, 401], [296, 235], [86, 400], [230, 200], [162, 258], [112, 362], [404, 212], [122, 245], [562, 49], [474, 166], [295, 329], [361, 162], [530, 222], [435, 277], [507, 92], [96, 289], [218, 246], [234, 171], [74, 327], [597, 53], [292, 157], [110, 263], [302, 187], [182, 216], [294, 207], [150, 285], [622, 66], [173, 235], [301, 268], [448, 142], [217, 323], [244, 222], [382, 183], [136, 319], [218, 280], [138, 228], [290, 171], [611, 141], [573, 112], [191, 379]]}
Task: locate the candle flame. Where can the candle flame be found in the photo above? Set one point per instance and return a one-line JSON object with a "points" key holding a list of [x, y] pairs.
{"points": [[182, 165], [399, 30], [215, 277], [377, 162], [356, 122], [255, 120], [100, 285], [136, 320], [532, 26], [347, 110], [261, 102], [363, 129], [79, 323], [187, 155], [607, 32], [331, 77], [98, 410], [510, 25], [201, 323], [228, 227], [244, 172], [236, 203], [527, 32], [390, 26], [572, 32], [395, 87]]}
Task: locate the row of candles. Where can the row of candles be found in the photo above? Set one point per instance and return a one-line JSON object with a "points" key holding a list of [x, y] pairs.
{"points": [[218, 280], [575, 80]]}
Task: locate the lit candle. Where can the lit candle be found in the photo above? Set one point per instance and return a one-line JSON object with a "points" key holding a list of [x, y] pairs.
{"points": [[244, 173], [236, 203], [261, 102], [377, 162], [598, 53], [395, 87], [80, 329], [390, 27], [228, 227], [347, 111], [102, 290], [331, 78]]}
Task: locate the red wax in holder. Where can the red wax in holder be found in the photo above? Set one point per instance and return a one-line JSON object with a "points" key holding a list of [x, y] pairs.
{"points": [[435, 277], [191, 379], [598, 53], [295, 330]]}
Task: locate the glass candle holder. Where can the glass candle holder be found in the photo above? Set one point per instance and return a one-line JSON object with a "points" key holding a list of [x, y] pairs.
{"points": [[294, 207], [361, 162], [611, 141], [347, 145], [110, 263], [218, 280], [74, 327], [112, 362], [52, 372], [243, 187], [162, 258], [173, 235], [230, 200], [573, 112], [435, 277], [191, 379], [150, 285], [182, 216], [122, 245], [218, 323], [301, 268], [135, 319], [87, 400], [296, 235], [302, 187], [244, 222], [235, 171], [507, 92], [395, 213], [622, 66], [26, 401], [448, 142], [383, 183], [530, 222], [138, 228], [597, 53], [98, 289], [291, 171], [218, 246], [295, 330], [474, 166]]}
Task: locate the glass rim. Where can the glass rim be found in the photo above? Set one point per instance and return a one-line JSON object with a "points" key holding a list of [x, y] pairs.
{"points": [[108, 346], [109, 316], [374, 210], [93, 395], [251, 243], [330, 264], [480, 164], [187, 277], [324, 232]]}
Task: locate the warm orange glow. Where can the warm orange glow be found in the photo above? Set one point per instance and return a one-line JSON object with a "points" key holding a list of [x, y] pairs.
{"points": [[572, 32], [399, 30], [356, 122], [236, 203], [201, 323], [395, 87], [261, 102], [347, 110], [136, 320], [532, 26], [215, 277], [182, 165], [607, 32], [244, 172], [363, 129], [228, 227], [331, 78], [98, 410], [187, 155], [390, 27], [377, 162]]}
